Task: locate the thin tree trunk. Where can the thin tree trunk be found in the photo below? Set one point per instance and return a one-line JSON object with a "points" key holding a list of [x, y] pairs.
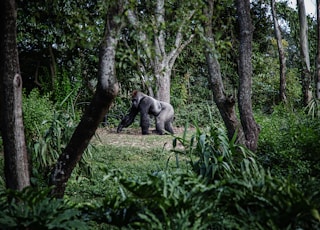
{"points": [[305, 60], [282, 57], [15, 153], [250, 127], [107, 89], [226, 105], [318, 50]]}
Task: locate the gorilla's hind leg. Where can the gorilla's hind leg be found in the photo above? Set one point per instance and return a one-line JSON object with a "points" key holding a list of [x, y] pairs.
{"points": [[160, 127], [168, 127]]}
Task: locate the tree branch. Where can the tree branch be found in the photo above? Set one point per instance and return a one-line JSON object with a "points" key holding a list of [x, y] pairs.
{"points": [[143, 38]]}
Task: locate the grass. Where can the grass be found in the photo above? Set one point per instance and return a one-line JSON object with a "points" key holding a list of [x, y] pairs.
{"points": [[130, 152]]}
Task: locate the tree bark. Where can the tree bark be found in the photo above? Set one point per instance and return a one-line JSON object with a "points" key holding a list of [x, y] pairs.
{"points": [[250, 127], [282, 56], [107, 90], [226, 105], [15, 153], [161, 60], [318, 50], [304, 47]]}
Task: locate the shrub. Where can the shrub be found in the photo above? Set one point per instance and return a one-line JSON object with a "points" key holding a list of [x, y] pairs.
{"points": [[36, 109], [249, 198], [288, 143], [53, 138], [34, 209], [194, 114]]}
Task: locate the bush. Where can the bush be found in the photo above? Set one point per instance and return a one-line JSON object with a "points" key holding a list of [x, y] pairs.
{"points": [[218, 157], [34, 209], [195, 114], [288, 143], [249, 198], [36, 109], [53, 135]]}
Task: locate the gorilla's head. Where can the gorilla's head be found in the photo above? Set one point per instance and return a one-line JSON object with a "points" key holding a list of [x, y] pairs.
{"points": [[136, 97]]}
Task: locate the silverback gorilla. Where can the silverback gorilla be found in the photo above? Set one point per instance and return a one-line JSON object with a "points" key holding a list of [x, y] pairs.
{"points": [[147, 105]]}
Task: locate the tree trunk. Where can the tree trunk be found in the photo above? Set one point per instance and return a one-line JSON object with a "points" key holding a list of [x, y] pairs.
{"points": [[282, 57], [15, 153], [250, 127], [163, 85], [304, 47], [107, 89], [156, 52], [226, 105], [318, 50]]}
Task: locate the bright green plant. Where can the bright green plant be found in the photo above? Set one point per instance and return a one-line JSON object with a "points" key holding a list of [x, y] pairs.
{"points": [[66, 86], [36, 109], [34, 209], [217, 154], [51, 142]]}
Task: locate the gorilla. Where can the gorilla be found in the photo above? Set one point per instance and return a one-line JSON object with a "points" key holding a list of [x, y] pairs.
{"points": [[147, 105]]}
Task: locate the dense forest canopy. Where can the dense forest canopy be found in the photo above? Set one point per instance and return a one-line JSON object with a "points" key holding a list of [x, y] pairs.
{"points": [[58, 44]]}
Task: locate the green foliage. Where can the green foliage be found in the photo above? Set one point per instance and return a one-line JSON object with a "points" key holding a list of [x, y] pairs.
{"points": [[34, 209], [233, 191], [218, 157], [62, 86], [59, 35], [179, 96], [53, 137], [266, 82], [48, 146], [313, 108], [249, 198], [36, 109], [262, 201], [196, 113], [119, 109], [289, 143]]}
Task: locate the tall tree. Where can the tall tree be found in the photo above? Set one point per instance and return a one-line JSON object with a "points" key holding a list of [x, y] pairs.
{"points": [[225, 104], [304, 49], [249, 125], [107, 90], [154, 41], [282, 56], [318, 50], [12, 129]]}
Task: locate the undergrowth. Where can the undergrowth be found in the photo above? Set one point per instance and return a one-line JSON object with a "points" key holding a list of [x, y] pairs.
{"points": [[205, 182]]}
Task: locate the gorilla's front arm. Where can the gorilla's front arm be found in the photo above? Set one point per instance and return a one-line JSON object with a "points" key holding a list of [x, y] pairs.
{"points": [[128, 119], [145, 108]]}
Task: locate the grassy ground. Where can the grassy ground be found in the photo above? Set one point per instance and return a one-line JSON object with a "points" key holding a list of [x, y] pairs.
{"points": [[130, 152]]}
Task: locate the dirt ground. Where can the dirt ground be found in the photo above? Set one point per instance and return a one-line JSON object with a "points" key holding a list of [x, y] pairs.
{"points": [[132, 137]]}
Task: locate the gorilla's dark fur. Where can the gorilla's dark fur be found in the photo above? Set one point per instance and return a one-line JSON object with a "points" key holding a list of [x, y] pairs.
{"points": [[147, 105]]}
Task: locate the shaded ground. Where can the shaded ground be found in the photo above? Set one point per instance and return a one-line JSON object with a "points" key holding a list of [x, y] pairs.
{"points": [[132, 137]]}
